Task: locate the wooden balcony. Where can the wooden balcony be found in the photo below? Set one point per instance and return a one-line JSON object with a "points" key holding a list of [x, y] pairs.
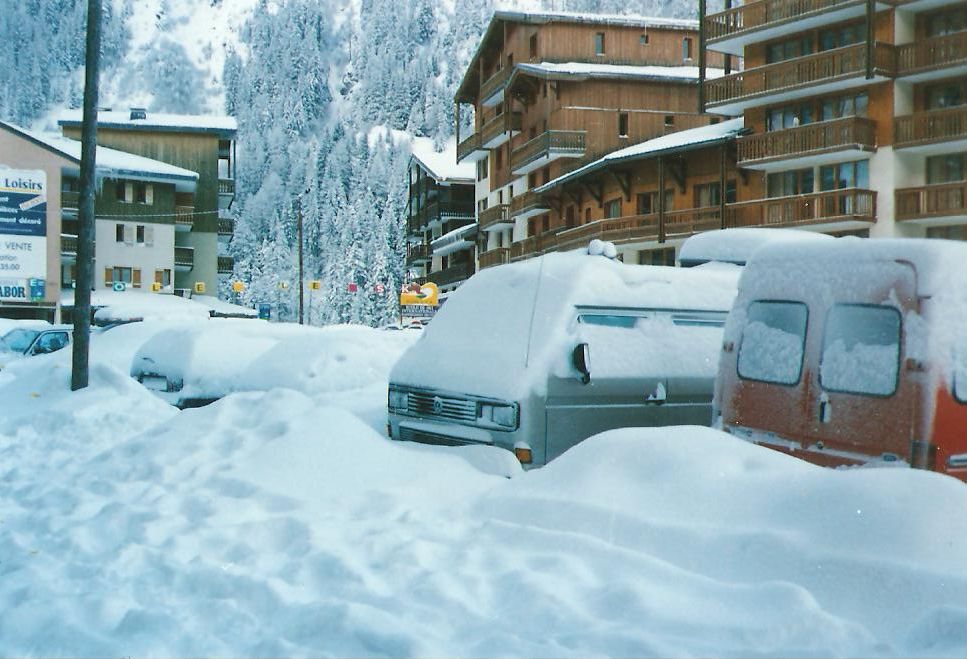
{"points": [[940, 200], [495, 217], [70, 199], [837, 69], [933, 58], [226, 265], [837, 206], [492, 89], [471, 148], [452, 275], [493, 257], [932, 130], [226, 186], [499, 130], [824, 138], [184, 258], [527, 205], [547, 147], [417, 254], [226, 227], [525, 249], [68, 245], [184, 218]]}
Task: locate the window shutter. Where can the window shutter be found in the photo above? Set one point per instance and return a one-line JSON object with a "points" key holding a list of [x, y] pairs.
{"points": [[149, 235], [108, 276], [129, 192], [128, 235], [137, 278], [149, 194]]}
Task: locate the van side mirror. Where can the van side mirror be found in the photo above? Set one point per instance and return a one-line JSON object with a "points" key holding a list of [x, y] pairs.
{"points": [[581, 358]]}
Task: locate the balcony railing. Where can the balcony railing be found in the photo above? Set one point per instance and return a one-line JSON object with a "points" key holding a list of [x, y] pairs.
{"points": [[501, 125], [525, 248], [808, 140], [494, 215], [827, 66], [226, 265], [68, 244], [929, 201], [226, 186], [452, 275], [548, 145], [226, 227], [528, 204], [803, 210], [492, 85], [468, 146], [767, 13], [70, 199], [185, 216], [930, 126], [932, 54], [417, 253], [493, 257], [184, 257]]}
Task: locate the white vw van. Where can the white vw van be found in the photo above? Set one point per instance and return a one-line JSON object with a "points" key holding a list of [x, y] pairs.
{"points": [[536, 356]]}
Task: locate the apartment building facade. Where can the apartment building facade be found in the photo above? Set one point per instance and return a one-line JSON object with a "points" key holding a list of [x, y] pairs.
{"points": [[441, 228], [552, 92], [856, 111], [196, 219]]}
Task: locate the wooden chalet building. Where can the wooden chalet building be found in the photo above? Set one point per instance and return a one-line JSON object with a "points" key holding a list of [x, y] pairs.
{"points": [[855, 111], [552, 92]]}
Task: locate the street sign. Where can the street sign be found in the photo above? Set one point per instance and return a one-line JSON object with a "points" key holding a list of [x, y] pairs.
{"points": [[119, 286], [238, 286], [155, 286], [315, 285], [199, 287], [283, 285], [380, 289], [265, 311], [353, 287], [23, 228]]}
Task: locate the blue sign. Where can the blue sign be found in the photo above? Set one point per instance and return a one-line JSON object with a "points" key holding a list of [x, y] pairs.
{"points": [[265, 311], [23, 204], [38, 288]]}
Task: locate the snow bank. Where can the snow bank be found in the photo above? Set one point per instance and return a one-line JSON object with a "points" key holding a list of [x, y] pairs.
{"points": [[503, 330]]}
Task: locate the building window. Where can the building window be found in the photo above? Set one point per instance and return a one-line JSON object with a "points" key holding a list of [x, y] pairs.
{"points": [[622, 124], [612, 208], [599, 43], [947, 22], [499, 160], [648, 202], [948, 168], [119, 233], [119, 191], [785, 50], [587, 215], [788, 116], [687, 48], [844, 175], [119, 274], [482, 168], [852, 105], [669, 121], [140, 234], [846, 35], [162, 277], [709, 194], [946, 95], [533, 45], [643, 39], [569, 219], [784, 184]]}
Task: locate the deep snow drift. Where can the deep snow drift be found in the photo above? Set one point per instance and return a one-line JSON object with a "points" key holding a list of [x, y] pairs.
{"points": [[284, 523]]}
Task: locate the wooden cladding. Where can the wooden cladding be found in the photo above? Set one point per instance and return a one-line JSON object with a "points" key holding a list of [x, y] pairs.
{"points": [[469, 146], [932, 54], [928, 201], [495, 83], [494, 215], [547, 145], [801, 72], [803, 210], [493, 257], [499, 126], [824, 136], [930, 126], [765, 13], [527, 204]]}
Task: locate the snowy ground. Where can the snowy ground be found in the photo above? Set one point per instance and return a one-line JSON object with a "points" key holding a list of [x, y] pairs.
{"points": [[283, 523]]}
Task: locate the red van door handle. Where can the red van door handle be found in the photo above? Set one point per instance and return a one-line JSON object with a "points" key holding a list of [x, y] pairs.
{"points": [[825, 409]]}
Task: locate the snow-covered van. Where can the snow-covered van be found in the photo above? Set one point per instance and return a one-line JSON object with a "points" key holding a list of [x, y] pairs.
{"points": [[536, 356], [851, 352]]}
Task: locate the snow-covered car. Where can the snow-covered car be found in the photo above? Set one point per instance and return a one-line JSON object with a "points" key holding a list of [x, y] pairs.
{"points": [[28, 341], [536, 356]]}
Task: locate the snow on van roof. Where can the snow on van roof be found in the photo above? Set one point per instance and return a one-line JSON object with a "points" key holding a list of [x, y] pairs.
{"points": [[498, 334], [737, 245], [442, 165]]}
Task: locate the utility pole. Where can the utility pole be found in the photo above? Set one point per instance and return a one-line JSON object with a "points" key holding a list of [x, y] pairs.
{"points": [[302, 280], [85, 238]]}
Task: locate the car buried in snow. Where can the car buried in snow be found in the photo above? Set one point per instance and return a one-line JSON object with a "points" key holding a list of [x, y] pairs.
{"points": [[28, 341]]}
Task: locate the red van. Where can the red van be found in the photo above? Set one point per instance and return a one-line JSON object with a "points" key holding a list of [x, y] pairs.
{"points": [[851, 351]]}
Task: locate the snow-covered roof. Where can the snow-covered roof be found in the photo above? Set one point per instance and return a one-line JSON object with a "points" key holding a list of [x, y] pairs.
{"points": [[629, 20], [442, 165], [585, 70], [673, 142], [156, 121], [737, 245], [109, 161], [131, 304], [454, 240]]}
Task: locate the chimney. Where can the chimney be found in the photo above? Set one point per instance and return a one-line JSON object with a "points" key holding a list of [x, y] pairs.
{"points": [[138, 113]]}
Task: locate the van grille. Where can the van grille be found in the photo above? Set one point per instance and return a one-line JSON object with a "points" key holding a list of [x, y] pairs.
{"points": [[434, 406], [424, 437]]}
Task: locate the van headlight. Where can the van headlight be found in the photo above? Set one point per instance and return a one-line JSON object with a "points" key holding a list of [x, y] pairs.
{"points": [[504, 416], [398, 400]]}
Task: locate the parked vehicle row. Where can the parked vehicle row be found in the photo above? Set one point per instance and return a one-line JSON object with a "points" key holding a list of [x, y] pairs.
{"points": [[839, 351]]}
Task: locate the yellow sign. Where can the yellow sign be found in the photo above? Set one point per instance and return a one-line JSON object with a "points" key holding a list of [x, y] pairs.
{"points": [[427, 294], [238, 287], [199, 287], [315, 284], [283, 285], [155, 286]]}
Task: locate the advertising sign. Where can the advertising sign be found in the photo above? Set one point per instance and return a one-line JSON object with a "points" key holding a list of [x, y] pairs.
{"points": [[23, 235], [418, 301]]}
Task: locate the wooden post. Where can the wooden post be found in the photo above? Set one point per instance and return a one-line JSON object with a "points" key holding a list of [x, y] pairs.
{"points": [[728, 56], [870, 37], [701, 56], [661, 198], [80, 357], [456, 118], [723, 183], [302, 281]]}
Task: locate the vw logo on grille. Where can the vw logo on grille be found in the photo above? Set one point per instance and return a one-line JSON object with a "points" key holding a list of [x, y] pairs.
{"points": [[437, 405]]}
